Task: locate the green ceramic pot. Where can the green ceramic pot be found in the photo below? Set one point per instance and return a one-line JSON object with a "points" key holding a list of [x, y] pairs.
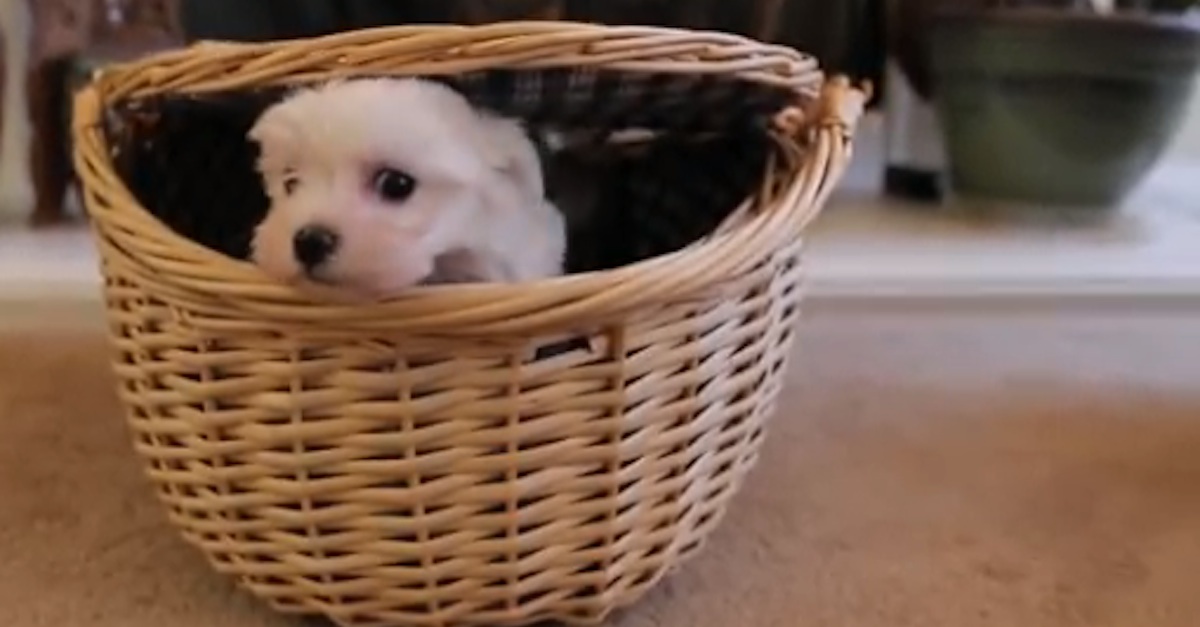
{"points": [[1056, 107]]}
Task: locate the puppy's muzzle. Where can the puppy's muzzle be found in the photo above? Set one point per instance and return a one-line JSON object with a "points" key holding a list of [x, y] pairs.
{"points": [[313, 245]]}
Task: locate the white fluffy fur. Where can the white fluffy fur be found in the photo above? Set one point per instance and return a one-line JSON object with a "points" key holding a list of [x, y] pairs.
{"points": [[479, 211]]}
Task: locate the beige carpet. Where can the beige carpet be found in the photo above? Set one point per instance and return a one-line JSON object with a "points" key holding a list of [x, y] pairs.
{"points": [[921, 473]]}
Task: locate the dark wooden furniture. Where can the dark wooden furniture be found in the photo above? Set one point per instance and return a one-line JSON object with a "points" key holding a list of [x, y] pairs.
{"points": [[63, 30]]}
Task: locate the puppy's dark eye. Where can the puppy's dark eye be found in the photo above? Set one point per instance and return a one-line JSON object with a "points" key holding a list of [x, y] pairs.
{"points": [[393, 185], [290, 183]]}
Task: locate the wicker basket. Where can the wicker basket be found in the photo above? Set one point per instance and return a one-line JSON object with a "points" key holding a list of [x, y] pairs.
{"points": [[424, 460]]}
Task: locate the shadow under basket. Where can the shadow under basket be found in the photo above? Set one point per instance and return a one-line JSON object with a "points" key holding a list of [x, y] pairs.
{"points": [[427, 460]]}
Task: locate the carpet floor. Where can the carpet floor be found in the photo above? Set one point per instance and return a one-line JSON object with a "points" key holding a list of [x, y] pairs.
{"points": [[922, 472]]}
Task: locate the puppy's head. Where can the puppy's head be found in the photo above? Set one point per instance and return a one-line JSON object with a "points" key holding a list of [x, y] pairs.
{"points": [[372, 180]]}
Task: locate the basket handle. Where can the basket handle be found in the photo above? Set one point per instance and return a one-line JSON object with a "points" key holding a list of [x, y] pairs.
{"points": [[840, 106], [825, 126]]}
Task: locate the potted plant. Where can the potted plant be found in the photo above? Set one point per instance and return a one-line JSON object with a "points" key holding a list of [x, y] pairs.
{"points": [[1060, 103]]}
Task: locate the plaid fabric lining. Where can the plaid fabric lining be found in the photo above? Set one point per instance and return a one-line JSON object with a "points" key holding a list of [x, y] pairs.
{"points": [[611, 99], [172, 149], [682, 190]]}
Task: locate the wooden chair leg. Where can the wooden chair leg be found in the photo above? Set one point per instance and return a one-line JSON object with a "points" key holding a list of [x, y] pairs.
{"points": [[486, 11], [767, 17], [51, 168]]}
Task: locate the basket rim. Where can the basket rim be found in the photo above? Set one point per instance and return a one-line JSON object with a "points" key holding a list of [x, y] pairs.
{"points": [[520, 44], [205, 282]]}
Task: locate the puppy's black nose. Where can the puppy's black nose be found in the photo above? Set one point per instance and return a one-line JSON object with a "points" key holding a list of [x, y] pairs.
{"points": [[313, 245]]}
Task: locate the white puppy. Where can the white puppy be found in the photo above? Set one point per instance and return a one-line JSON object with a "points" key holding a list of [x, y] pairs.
{"points": [[377, 185]]}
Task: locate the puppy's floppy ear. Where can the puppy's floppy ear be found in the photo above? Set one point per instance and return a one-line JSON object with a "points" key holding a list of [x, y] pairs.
{"points": [[277, 125], [273, 133], [508, 149], [269, 129]]}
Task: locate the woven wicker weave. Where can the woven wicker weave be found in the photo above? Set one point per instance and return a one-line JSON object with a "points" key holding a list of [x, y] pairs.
{"points": [[420, 461]]}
